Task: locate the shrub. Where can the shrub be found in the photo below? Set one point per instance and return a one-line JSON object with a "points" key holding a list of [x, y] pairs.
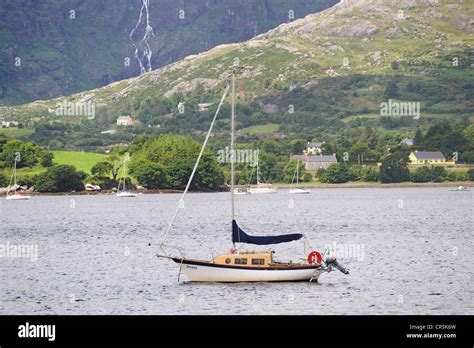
{"points": [[451, 176], [3, 180], [422, 174], [438, 174], [60, 178], [337, 173], [369, 174], [470, 174], [307, 177]]}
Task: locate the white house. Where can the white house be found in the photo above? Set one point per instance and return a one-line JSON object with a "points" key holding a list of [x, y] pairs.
{"points": [[406, 142], [314, 148], [8, 124], [125, 121]]}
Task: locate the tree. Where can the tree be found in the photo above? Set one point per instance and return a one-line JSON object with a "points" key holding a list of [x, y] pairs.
{"points": [[102, 168], [422, 174], [467, 157], [391, 91], [368, 174], [60, 178], [418, 139], [308, 177], [290, 171], [46, 159], [359, 152], [469, 135], [116, 164], [149, 174], [337, 173], [29, 152], [3, 180], [297, 146], [394, 168], [177, 155], [470, 174], [269, 168]]}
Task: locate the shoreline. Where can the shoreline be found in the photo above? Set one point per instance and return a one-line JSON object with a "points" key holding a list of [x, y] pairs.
{"points": [[452, 184], [279, 186]]}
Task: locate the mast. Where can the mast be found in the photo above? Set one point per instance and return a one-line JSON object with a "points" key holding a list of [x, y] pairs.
{"points": [[297, 174], [14, 173], [258, 175], [232, 154]]}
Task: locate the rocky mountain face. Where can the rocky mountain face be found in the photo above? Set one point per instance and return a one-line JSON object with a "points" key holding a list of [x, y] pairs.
{"points": [[340, 62], [50, 48]]}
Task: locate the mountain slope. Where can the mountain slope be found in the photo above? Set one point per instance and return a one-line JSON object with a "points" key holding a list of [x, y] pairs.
{"points": [[68, 46], [331, 64]]}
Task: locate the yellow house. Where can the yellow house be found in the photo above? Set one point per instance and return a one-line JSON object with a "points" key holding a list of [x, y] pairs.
{"points": [[424, 158]]}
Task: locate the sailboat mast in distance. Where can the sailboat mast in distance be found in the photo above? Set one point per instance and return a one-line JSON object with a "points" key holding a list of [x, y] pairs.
{"points": [[232, 155]]}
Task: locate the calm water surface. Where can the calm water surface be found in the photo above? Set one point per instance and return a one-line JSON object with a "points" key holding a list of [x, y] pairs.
{"points": [[415, 253]]}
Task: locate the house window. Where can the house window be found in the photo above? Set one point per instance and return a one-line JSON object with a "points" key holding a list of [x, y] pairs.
{"points": [[258, 261], [240, 261]]}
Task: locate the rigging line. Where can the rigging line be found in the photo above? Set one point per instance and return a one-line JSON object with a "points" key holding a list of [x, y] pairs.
{"points": [[195, 166]]}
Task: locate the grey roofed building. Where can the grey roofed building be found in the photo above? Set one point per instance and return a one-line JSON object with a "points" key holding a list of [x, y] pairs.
{"points": [[316, 162], [406, 142], [429, 155], [315, 144]]}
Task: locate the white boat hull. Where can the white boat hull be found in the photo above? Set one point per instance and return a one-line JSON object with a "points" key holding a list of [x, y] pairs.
{"points": [[202, 272], [257, 190], [298, 191], [126, 194], [17, 198]]}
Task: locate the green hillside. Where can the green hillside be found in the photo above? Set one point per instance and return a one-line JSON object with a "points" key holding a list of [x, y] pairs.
{"points": [[314, 76]]}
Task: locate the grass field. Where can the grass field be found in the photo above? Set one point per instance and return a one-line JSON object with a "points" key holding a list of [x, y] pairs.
{"points": [[81, 160], [261, 129]]}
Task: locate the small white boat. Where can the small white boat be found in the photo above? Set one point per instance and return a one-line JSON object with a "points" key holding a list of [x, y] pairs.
{"points": [[17, 196], [297, 190], [123, 192], [460, 188], [12, 193], [261, 187], [240, 191]]}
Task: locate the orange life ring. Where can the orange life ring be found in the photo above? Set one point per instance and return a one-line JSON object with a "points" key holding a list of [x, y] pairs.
{"points": [[314, 257]]}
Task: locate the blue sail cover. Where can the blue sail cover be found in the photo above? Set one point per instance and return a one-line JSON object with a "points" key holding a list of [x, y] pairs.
{"points": [[239, 236]]}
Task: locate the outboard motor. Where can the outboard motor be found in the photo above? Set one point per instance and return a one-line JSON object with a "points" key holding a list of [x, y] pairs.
{"points": [[330, 260]]}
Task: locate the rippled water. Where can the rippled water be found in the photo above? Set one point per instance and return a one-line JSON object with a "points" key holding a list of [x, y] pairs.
{"points": [[415, 253]]}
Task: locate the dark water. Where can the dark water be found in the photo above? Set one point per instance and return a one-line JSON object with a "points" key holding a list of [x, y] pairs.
{"points": [[414, 253]]}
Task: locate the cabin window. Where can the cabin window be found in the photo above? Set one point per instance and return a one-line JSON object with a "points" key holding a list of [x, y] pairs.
{"points": [[258, 261], [240, 261], [227, 260]]}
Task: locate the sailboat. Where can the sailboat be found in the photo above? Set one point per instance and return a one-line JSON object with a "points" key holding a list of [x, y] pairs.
{"points": [[123, 180], [13, 186], [261, 187], [297, 189], [241, 266]]}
